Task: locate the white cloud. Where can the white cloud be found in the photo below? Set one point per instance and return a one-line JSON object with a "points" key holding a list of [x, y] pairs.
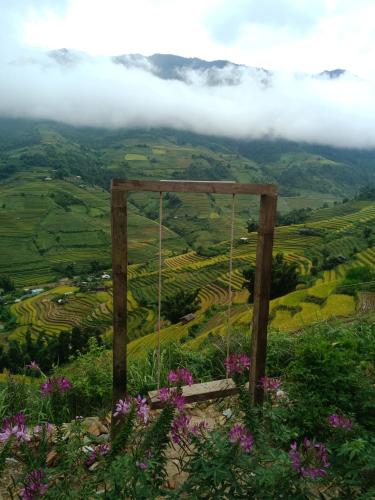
{"points": [[96, 92], [100, 93]]}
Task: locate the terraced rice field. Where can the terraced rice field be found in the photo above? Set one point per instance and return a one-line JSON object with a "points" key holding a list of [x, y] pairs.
{"points": [[367, 257], [210, 275]]}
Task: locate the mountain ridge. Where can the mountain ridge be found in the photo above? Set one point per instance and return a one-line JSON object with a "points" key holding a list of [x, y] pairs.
{"points": [[176, 67]]}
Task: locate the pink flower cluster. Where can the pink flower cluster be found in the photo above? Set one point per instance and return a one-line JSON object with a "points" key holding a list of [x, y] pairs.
{"points": [[123, 406], [55, 386], [242, 437], [172, 396], [143, 409], [182, 430], [40, 429], [340, 421], [180, 376], [270, 384], [34, 487], [237, 363], [100, 450], [15, 427], [310, 460]]}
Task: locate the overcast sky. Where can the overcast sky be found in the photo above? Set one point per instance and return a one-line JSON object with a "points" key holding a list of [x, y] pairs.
{"points": [[293, 38], [297, 35]]}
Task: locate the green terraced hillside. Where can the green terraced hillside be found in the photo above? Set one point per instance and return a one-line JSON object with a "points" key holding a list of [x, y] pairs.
{"points": [[55, 223], [316, 298]]}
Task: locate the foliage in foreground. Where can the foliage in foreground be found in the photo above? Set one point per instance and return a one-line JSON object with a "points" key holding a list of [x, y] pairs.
{"points": [[314, 434]]}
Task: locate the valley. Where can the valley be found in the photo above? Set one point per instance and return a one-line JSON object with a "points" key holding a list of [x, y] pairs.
{"points": [[55, 230]]}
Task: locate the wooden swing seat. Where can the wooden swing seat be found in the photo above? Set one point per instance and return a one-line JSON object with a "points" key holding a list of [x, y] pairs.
{"points": [[204, 391]]}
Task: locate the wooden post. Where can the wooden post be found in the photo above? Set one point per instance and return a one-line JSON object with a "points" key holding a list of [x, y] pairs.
{"points": [[120, 288], [267, 215], [261, 295]]}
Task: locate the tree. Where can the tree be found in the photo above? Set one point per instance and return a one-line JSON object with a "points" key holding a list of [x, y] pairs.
{"points": [[184, 302], [6, 284], [94, 266], [252, 226], [367, 231], [284, 277]]}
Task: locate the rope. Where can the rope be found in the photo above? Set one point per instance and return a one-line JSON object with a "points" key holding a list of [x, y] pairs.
{"points": [[230, 280], [159, 289]]}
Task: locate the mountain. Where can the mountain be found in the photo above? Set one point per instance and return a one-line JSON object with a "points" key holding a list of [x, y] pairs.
{"points": [[333, 74], [186, 69], [54, 181], [172, 67]]}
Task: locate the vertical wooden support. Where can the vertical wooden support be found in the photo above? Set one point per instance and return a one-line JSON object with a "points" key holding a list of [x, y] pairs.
{"points": [[120, 288], [267, 218]]}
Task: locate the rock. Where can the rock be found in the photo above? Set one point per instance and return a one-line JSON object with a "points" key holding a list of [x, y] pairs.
{"points": [[51, 458], [94, 466], [94, 426], [103, 438]]}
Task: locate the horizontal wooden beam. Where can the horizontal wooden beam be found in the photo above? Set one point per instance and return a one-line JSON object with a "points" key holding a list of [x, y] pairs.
{"points": [[218, 187], [204, 391]]}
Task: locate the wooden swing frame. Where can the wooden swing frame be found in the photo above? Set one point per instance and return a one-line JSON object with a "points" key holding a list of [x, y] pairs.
{"points": [[267, 216]]}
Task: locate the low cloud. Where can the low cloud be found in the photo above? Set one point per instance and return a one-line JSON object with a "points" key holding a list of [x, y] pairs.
{"points": [[89, 91]]}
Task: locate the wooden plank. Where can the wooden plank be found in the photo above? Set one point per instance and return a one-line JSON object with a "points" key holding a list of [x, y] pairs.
{"points": [[200, 392], [194, 187], [120, 287], [262, 284]]}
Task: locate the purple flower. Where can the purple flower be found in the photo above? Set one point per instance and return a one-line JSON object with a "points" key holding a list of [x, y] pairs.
{"points": [[310, 460], [63, 384], [270, 384], [237, 363], [47, 387], [185, 376], [141, 465], [172, 377], [180, 376], [180, 428], [34, 487], [103, 449], [340, 421], [242, 437], [172, 396], [33, 366], [164, 394], [100, 450], [143, 409], [15, 426], [47, 428], [178, 401], [199, 428], [91, 458], [55, 385], [123, 407]]}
